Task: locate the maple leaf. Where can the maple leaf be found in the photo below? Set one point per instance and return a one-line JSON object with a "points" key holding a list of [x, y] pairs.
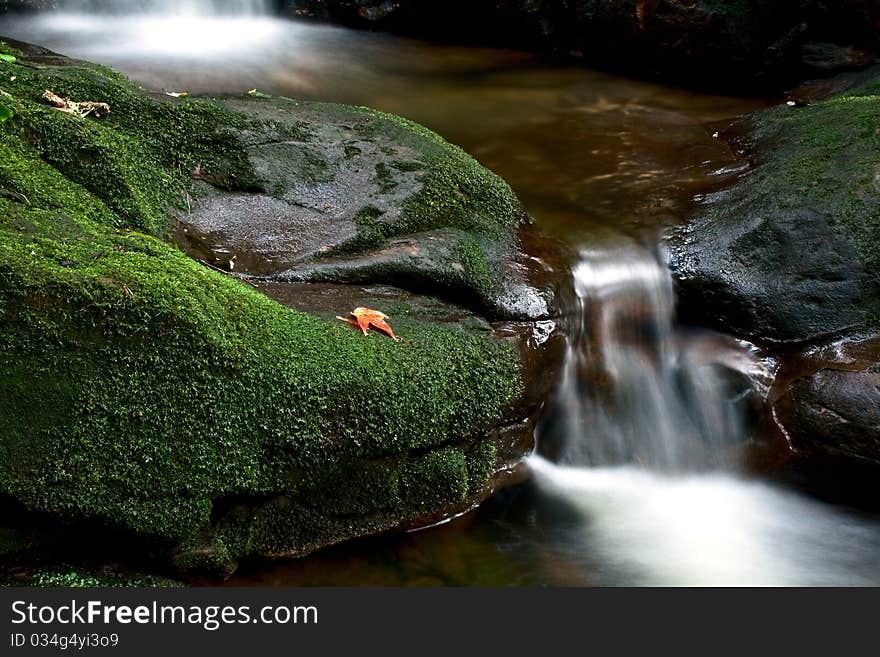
{"points": [[366, 318]]}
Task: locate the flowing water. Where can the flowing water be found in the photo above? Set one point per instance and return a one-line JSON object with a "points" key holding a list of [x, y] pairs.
{"points": [[175, 8], [637, 389], [640, 482]]}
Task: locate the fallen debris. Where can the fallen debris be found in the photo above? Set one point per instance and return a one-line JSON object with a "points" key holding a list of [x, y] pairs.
{"points": [[81, 109], [366, 318]]}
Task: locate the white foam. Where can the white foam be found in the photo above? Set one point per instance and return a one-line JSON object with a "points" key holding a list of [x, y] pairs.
{"points": [[712, 529]]}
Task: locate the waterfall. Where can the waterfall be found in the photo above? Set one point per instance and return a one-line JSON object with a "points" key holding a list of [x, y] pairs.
{"points": [[645, 428], [169, 7], [155, 33], [635, 388]]}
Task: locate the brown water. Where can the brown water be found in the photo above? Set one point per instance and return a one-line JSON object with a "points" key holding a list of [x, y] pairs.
{"points": [[585, 151], [598, 160]]}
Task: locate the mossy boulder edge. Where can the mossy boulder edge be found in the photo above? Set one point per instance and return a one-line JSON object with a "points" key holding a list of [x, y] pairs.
{"points": [[145, 391]]}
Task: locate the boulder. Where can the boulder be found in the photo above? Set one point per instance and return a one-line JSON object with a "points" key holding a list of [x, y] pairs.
{"points": [[789, 252], [787, 257], [146, 393], [355, 195], [837, 412], [827, 401]]}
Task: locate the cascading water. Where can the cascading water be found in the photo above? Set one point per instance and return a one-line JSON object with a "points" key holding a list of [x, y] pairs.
{"points": [[168, 7], [636, 389], [241, 32], [642, 488], [645, 429]]}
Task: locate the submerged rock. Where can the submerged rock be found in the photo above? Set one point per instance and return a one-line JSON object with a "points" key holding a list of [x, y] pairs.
{"points": [[144, 392]]}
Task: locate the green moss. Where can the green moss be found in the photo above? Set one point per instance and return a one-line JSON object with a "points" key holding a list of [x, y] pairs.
{"points": [[482, 462], [75, 578], [400, 489], [384, 178], [457, 192], [139, 388], [138, 159], [6, 49], [476, 266]]}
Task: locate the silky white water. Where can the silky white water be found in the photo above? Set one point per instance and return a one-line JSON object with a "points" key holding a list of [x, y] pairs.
{"points": [[649, 422], [167, 7], [711, 529], [243, 31]]}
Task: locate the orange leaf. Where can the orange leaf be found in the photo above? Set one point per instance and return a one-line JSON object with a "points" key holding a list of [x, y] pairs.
{"points": [[366, 318]]}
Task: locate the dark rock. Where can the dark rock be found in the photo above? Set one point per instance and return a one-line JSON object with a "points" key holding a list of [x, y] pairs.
{"points": [[835, 412], [781, 277], [353, 195], [789, 252], [825, 401]]}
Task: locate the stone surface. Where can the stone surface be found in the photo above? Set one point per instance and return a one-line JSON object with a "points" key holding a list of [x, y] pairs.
{"points": [[353, 195], [789, 252], [837, 412]]}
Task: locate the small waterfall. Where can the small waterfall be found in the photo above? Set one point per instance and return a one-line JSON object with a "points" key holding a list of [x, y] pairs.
{"points": [[158, 34], [644, 432], [169, 7], [636, 389]]}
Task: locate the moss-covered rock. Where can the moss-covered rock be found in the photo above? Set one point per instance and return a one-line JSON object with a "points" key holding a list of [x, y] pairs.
{"points": [[343, 194], [147, 392], [790, 252]]}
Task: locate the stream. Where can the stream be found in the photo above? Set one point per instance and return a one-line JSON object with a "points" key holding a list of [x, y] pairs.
{"points": [[640, 483]]}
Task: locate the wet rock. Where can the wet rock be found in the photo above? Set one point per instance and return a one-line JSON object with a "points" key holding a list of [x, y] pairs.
{"points": [[353, 195], [787, 257], [788, 253], [824, 401], [791, 275], [835, 412]]}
